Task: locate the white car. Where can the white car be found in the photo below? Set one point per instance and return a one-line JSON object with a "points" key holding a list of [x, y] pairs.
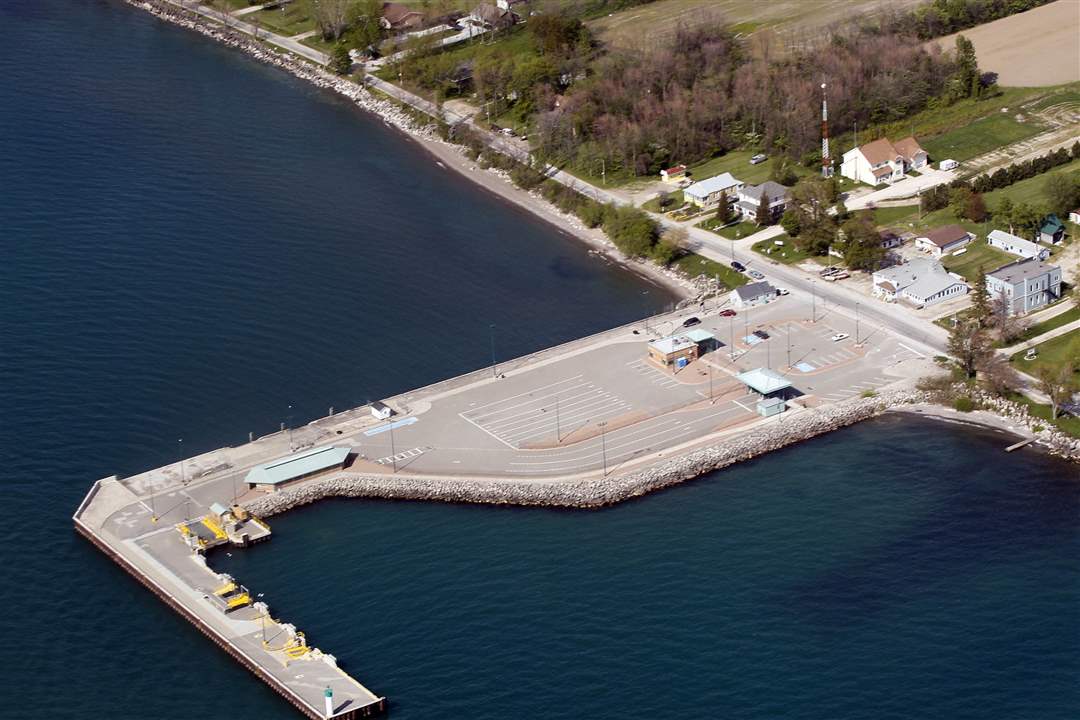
{"points": [[782, 291], [840, 336]]}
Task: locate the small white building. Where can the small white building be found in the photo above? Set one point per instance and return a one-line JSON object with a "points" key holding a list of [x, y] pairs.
{"points": [[381, 411], [920, 282], [948, 165], [1016, 245], [752, 294], [673, 175], [882, 161], [1074, 216], [706, 194], [943, 240]]}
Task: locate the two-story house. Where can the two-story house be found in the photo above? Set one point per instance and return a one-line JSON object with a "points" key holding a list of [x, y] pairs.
{"points": [[706, 193], [750, 199], [882, 161], [1025, 285]]}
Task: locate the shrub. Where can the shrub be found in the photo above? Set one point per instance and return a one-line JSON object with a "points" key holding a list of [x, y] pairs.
{"points": [[964, 404], [869, 393], [632, 231], [590, 212]]}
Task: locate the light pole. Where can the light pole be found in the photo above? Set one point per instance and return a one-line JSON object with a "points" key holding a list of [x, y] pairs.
{"points": [[856, 323], [494, 368], [393, 450], [558, 432], [731, 330], [288, 424], [788, 335], [813, 301], [603, 445], [708, 366], [183, 480]]}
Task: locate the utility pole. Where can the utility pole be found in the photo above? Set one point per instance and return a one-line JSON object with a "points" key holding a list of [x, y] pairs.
{"points": [[603, 445], [709, 367], [558, 432], [494, 368], [856, 323], [393, 450], [813, 301], [183, 481], [288, 424], [787, 333], [731, 330]]}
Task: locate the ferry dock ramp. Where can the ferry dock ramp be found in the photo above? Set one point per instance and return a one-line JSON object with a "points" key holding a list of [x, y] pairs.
{"points": [[162, 544]]}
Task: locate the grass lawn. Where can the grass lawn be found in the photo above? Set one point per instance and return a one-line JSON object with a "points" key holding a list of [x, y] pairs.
{"points": [[1065, 423], [694, 265], [737, 162], [980, 137], [787, 253], [978, 255], [1030, 190], [896, 216], [731, 232], [288, 20], [1052, 354], [1057, 321], [653, 205]]}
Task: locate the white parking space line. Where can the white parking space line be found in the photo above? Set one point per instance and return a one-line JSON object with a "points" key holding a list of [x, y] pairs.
{"points": [[532, 401], [527, 392], [566, 422], [742, 406], [481, 428], [539, 414], [587, 396]]}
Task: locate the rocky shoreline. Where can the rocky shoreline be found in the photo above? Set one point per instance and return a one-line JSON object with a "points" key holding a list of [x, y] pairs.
{"points": [[687, 290]]}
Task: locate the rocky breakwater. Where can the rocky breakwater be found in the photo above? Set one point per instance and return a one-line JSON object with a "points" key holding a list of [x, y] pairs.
{"points": [[591, 492]]}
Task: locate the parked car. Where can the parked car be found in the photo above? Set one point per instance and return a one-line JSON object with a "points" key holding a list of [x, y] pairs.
{"points": [[840, 336], [736, 265], [762, 334], [783, 291], [1031, 354], [831, 270], [508, 132], [728, 313], [758, 159], [755, 274], [691, 322]]}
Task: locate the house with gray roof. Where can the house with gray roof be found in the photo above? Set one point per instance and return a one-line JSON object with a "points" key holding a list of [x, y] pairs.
{"points": [[921, 282], [706, 193], [1025, 285], [750, 198], [1016, 245], [752, 294]]}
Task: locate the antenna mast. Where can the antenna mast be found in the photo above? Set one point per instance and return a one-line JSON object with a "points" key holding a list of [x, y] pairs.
{"points": [[826, 166]]}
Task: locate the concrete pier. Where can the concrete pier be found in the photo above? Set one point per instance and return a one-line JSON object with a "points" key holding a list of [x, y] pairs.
{"points": [[123, 526]]}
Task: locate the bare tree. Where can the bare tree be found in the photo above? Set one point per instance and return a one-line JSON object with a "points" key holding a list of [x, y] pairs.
{"points": [[331, 17], [998, 376], [970, 345], [1056, 384]]}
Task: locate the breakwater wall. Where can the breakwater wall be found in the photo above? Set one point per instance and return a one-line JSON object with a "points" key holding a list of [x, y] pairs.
{"points": [[592, 492]]}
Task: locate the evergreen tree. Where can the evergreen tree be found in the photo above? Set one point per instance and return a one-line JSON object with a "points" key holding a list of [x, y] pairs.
{"points": [[723, 210], [980, 300], [1003, 213], [340, 62], [764, 215]]}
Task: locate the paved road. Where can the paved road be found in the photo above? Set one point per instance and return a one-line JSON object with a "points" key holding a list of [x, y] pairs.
{"points": [[237, 24]]}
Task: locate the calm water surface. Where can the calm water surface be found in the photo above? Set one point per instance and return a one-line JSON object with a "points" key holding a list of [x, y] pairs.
{"points": [[193, 243]]}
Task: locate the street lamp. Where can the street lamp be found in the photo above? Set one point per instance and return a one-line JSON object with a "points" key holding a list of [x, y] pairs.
{"points": [[558, 432], [856, 323], [288, 424], [393, 450], [603, 445], [813, 301], [494, 368]]}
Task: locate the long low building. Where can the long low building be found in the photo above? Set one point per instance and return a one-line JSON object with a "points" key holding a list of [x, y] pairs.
{"points": [[920, 282], [274, 475], [1016, 245]]}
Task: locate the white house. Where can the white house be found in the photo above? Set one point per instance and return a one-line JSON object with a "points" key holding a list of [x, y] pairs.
{"points": [[1074, 216], [749, 198], [920, 282], [1025, 285], [943, 240], [882, 161], [752, 294], [706, 194], [1016, 246]]}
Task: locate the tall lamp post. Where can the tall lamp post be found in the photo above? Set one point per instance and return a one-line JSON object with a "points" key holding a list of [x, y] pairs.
{"points": [[813, 301], [856, 323], [494, 368], [183, 480], [603, 445]]}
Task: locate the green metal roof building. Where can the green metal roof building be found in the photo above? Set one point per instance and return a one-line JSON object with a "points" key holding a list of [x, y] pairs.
{"points": [[269, 476]]}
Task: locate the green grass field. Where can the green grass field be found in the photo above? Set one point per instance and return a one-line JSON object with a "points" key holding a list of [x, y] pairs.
{"points": [[731, 232], [737, 162], [695, 265], [980, 137], [653, 205], [1053, 354], [1030, 190], [1053, 323], [898, 216], [978, 255], [786, 254]]}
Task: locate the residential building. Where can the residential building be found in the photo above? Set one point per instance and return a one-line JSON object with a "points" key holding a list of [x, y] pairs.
{"points": [[882, 161], [891, 238], [749, 198], [1051, 230], [1025, 285], [1016, 246], [400, 18], [1074, 216], [752, 294], [943, 240], [493, 17], [921, 282], [510, 4], [706, 194], [676, 351], [673, 174]]}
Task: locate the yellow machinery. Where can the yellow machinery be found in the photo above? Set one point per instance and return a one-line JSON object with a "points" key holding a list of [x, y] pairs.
{"points": [[225, 589], [238, 601], [213, 526]]}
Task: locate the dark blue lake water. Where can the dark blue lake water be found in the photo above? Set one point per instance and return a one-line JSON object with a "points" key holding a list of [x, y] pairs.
{"points": [[193, 243]]}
